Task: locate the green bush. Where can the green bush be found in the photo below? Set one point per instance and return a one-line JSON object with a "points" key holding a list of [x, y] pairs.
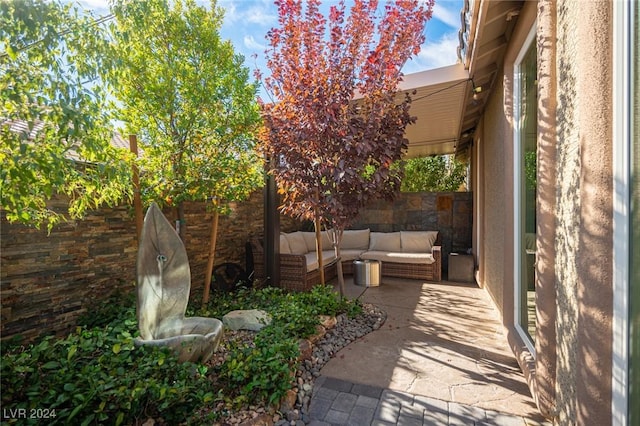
{"points": [[259, 374], [97, 376], [264, 372], [110, 310], [433, 174]]}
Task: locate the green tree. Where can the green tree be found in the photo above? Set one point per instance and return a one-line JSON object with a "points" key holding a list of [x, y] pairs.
{"points": [[54, 131], [187, 94], [439, 173]]}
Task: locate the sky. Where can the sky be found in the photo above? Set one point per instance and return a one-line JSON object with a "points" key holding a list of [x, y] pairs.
{"points": [[246, 23]]}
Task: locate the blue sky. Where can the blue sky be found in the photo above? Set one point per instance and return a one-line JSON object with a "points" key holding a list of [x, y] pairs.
{"points": [[246, 23]]}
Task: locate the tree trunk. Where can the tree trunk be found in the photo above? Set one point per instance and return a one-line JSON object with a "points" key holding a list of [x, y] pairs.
{"points": [[336, 239], [317, 225], [212, 257], [137, 202]]}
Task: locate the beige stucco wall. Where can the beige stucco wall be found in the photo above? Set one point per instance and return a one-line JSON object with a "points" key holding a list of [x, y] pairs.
{"points": [[584, 212], [571, 375], [492, 190], [567, 209], [546, 307]]}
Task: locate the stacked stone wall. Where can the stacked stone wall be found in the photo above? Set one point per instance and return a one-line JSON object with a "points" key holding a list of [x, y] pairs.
{"points": [[48, 280], [450, 213]]}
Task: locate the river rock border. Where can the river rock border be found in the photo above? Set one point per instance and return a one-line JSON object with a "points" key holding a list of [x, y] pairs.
{"points": [[333, 335]]}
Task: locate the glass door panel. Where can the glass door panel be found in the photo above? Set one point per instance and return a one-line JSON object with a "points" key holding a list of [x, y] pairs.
{"points": [[527, 104]]}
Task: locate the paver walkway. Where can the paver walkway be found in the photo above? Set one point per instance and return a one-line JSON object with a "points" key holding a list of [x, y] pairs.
{"points": [[338, 402], [441, 358]]}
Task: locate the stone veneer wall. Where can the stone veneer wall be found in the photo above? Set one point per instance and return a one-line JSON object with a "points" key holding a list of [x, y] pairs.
{"points": [[47, 281], [451, 213]]}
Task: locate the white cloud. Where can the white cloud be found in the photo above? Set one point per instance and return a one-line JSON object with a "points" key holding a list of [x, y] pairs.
{"points": [[448, 15], [261, 15], [230, 11], [436, 54], [248, 12], [251, 43]]}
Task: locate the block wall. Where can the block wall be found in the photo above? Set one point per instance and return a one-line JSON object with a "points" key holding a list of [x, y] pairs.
{"points": [[48, 280], [450, 213]]}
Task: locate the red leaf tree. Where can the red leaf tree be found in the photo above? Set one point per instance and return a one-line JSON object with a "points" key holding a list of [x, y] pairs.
{"points": [[335, 127]]}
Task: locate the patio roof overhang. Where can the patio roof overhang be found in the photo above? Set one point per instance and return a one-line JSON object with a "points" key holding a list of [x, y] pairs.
{"points": [[438, 104], [451, 100]]}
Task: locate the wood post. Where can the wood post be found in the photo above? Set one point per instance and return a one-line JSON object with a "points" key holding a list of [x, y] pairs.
{"points": [[137, 202], [212, 255]]}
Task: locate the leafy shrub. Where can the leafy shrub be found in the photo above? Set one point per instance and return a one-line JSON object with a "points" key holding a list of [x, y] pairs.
{"points": [[263, 372], [107, 311], [433, 174], [97, 376]]}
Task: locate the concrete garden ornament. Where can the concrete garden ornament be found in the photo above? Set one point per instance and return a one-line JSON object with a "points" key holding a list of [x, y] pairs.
{"points": [[164, 282]]}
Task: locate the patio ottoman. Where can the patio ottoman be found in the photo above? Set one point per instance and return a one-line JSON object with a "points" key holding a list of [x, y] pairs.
{"points": [[461, 268], [366, 273]]}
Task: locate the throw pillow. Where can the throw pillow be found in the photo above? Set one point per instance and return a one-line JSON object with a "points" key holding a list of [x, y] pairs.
{"points": [[418, 241], [385, 241]]}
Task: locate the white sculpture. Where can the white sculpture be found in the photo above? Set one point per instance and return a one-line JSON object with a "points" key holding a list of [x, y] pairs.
{"points": [[164, 283]]}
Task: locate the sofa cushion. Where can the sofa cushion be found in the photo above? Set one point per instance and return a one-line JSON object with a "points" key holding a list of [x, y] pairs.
{"points": [[284, 245], [385, 241], [356, 239], [417, 241], [348, 255], [399, 257], [312, 260], [297, 244], [310, 240]]}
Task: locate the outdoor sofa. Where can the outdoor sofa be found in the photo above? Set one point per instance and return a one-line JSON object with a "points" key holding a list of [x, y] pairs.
{"points": [[403, 254]]}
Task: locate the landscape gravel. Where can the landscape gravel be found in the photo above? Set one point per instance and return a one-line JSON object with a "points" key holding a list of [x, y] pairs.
{"points": [[325, 347], [344, 332]]}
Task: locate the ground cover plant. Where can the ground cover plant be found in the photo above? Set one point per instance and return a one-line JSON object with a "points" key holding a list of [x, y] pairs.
{"points": [[97, 376]]}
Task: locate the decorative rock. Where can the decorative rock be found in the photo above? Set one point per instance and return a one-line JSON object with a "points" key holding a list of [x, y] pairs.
{"points": [[319, 334], [258, 420], [327, 321], [289, 401], [306, 349], [250, 319], [293, 415]]}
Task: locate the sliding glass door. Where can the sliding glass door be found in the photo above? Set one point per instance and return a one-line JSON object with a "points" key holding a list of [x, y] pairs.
{"points": [[525, 181]]}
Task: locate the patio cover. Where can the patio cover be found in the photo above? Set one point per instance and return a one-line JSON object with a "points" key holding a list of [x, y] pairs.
{"points": [[439, 107]]}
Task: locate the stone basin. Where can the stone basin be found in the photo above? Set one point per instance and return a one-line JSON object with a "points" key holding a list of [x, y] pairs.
{"points": [[164, 284], [188, 338]]}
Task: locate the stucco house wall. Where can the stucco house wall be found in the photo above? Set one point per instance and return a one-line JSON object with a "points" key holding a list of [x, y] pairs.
{"points": [[584, 211], [492, 190], [570, 372]]}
